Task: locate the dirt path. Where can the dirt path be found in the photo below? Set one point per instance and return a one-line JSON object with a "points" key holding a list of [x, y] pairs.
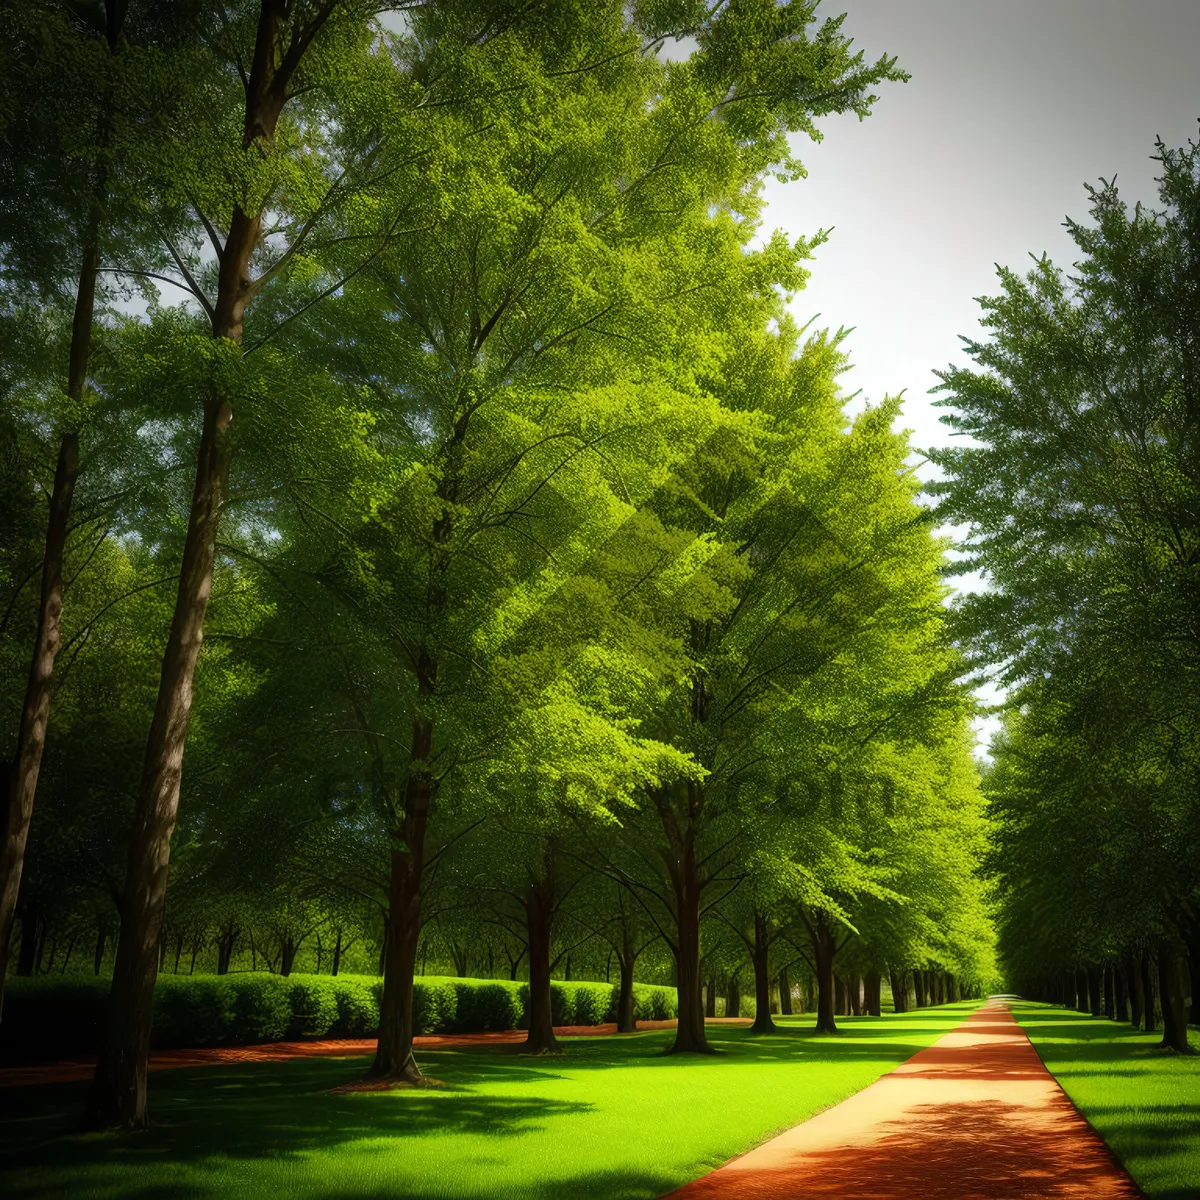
{"points": [[974, 1117], [215, 1056]]}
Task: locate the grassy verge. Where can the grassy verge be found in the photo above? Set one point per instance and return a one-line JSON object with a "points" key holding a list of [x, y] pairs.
{"points": [[1144, 1102], [613, 1119]]}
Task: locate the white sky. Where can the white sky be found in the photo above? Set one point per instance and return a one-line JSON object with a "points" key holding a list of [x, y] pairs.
{"points": [[1011, 108]]}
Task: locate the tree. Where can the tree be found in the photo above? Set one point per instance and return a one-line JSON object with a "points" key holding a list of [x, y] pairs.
{"points": [[1080, 492]]}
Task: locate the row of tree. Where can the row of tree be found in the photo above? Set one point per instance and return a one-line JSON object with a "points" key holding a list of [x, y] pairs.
{"points": [[1082, 490], [533, 554]]}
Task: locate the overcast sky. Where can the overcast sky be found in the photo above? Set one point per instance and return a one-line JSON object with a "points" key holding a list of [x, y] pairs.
{"points": [[975, 161]]}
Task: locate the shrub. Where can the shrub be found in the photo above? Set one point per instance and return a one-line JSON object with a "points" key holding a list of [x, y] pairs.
{"points": [[485, 1006], [262, 1008], [590, 1003], [357, 1007], [653, 1002], [48, 1018], [314, 1003], [434, 1003], [193, 1011]]}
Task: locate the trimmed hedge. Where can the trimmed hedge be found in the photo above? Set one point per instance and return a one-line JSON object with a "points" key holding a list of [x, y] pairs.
{"points": [[47, 1018]]}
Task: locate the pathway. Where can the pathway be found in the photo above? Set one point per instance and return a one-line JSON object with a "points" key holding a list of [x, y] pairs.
{"points": [[163, 1060], [976, 1116]]}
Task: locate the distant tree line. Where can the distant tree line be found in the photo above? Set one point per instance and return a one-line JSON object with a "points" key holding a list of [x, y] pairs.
{"points": [[1082, 492]]}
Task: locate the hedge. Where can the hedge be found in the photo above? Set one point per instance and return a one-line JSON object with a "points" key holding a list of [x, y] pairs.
{"points": [[48, 1018]]}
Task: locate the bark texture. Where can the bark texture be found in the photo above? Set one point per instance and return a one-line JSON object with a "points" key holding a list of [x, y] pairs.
{"points": [[283, 35], [626, 1012], [785, 993], [402, 932], [1136, 999], [119, 1087], [762, 976], [539, 904], [824, 946], [1149, 1021], [1174, 992], [687, 888], [872, 997], [21, 776]]}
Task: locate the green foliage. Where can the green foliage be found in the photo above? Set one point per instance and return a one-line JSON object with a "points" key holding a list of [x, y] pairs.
{"points": [[58, 1016], [482, 1006], [651, 1003], [1079, 487], [315, 1005]]}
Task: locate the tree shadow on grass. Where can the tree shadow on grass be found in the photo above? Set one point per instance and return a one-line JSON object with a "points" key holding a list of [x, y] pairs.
{"points": [[282, 1111]]}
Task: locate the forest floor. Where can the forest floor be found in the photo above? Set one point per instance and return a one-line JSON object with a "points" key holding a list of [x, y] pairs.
{"points": [[974, 1117], [1144, 1101], [613, 1118]]}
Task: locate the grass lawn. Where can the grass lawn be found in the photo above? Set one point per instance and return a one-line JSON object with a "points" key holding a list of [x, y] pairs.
{"points": [[1144, 1102], [612, 1119]]}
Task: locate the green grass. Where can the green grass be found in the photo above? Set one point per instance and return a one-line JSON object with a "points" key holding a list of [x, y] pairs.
{"points": [[1144, 1102], [612, 1119]]}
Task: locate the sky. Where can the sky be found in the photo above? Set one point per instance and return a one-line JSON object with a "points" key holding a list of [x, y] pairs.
{"points": [[976, 161]]}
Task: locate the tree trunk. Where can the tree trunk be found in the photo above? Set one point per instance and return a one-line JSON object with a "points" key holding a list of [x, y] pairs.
{"points": [[899, 991], [687, 889], [733, 995], [539, 904], [119, 1087], [1193, 962], [1081, 990], [18, 781], [762, 977], [1068, 986], [1173, 993], [21, 776], [824, 947], [855, 986], [710, 999], [402, 928], [919, 987], [337, 953], [98, 955], [287, 956], [118, 1095], [225, 945], [1148, 1005], [1095, 997], [1136, 1000], [785, 993], [1110, 993], [873, 998], [626, 1013], [1121, 989]]}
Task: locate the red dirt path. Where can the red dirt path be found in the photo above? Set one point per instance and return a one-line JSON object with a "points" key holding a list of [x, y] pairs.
{"points": [[976, 1116], [165, 1060]]}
